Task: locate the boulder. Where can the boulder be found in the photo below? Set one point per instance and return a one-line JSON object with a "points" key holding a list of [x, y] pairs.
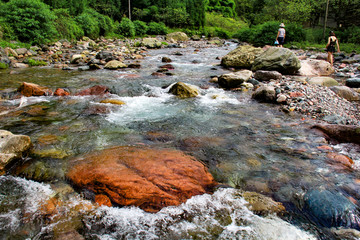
{"points": [[265, 93], [323, 81], [19, 65], [341, 133], [21, 51], [261, 204], [105, 55], [12, 147], [115, 64], [331, 209], [234, 80], [241, 57], [346, 92], [95, 90], [282, 60], [183, 90], [151, 43], [313, 67], [32, 89], [76, 58], [353, 82], [139, 176], [177, 37], [61, 92], [262, 75]]}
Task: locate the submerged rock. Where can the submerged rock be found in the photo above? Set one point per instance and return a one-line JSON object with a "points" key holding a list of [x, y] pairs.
{"points": [[341, 133], [138, 176], [183, 90], [95, 90], [12, 147]]}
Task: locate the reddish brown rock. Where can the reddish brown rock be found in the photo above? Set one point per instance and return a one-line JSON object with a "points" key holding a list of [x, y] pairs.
{"points": [[95, 90], [61, 92], [102, 199], [148, 178], [31, 89], [167, 66], [341, 159]]}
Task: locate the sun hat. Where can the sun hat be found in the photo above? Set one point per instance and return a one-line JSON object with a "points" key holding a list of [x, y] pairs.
{"points": [[282, 25]]}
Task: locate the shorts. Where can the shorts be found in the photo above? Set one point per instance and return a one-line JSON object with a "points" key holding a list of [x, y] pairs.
{"points": [[330, 49], [281, 40]]}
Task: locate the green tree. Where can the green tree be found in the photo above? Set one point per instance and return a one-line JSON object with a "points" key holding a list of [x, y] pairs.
{"points": [[31, 20], [66, 26], [126, 28], [196, 11], [225, 7], [111, 8], [75, 7], [95, 24]]}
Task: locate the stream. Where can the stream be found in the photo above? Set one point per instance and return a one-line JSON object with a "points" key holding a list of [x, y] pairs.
{"points": [[245, 144]]}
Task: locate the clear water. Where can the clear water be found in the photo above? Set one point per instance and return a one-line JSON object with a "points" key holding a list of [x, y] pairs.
{"points": [[245, 144]]}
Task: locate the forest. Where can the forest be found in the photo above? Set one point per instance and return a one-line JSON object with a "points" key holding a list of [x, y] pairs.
{"points": [[254, 21]]}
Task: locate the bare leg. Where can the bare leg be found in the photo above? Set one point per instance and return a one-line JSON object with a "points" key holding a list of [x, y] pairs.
{"points": [[330, 58]]}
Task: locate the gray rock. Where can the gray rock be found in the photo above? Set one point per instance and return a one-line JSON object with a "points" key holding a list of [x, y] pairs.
{"points": [[265, 93], [282, 60], [262, 75], [233, 80], [323, 81], [12, 148], [353, 82], [151, 43], [241, 57], [346, 92]]}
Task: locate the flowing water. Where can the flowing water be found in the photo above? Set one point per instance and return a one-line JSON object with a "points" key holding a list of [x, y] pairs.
{"points": [[245, 145]]}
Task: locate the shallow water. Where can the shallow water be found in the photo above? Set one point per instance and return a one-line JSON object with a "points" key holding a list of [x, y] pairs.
{"points": [[245, 144]]}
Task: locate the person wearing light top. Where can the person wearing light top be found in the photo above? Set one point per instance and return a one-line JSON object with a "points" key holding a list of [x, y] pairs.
{"points": [[281, 35]]}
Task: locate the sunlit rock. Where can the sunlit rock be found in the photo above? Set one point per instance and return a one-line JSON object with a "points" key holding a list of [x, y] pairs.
{"points": [[177, 36], [151, 43], [346, 92], [323, 81], [61, 92], [183, 90], [113, 101], [241, 57], [234, 80], [138, 176], [95, 90], [313, 67], [115, 64], [32, 89], [12, 148]]}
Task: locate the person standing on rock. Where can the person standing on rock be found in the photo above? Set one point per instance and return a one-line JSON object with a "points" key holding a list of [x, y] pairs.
{"points": [[281, 35], [330, 47]]}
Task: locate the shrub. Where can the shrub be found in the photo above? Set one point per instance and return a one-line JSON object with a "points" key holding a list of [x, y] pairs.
{"points": [[157, 29], [349, 35], [126, 28], [31, 20], [229, 24], [3, 65], [66, 26], [221, 33], [33, 62], [140, 28], [94, 24]]}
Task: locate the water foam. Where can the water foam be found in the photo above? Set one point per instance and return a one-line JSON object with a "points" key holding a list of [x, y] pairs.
{"points": [[222, 215]]}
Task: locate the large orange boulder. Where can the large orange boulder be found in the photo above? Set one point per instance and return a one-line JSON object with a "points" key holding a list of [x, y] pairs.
{"points": [[32, 89], [139, 176]]}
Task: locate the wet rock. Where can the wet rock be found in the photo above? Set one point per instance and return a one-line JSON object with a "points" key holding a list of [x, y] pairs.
{"points": [[105, 55], [234, 80], [346, 233], [19, 65], [265, 94], [313, 67], [167, 66], [31, 89], [166, 60], [331, 209], [61, 92], [113, 101], [159, 136], [282, 60], [340, 159], [267, 75], [137, 176], [353, 82], [177, 37], [77, 58], [102, 199], [95, 90], [262, 205], [341, 133], [346, 92], [151, 43], [241, 57], [4, 57], [12, 148], [115, 64], [183, 90], [323, 81]]}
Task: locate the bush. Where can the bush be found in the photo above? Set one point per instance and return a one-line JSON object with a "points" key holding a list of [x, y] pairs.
{"points": [[3, 65], [33, 62], [221, 33], [349, 35], [31, 20], [94, 24], [66, 26], [157, 29], [140, 28], [126, 28], [228, 24]]}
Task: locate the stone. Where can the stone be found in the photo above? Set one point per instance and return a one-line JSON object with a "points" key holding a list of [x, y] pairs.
{"points": [[139, 176], [103, 200], [282, 60], [177, 37], [234, 80], [21, 51], [323, 81], [32, 89], [166, 60], [20, 65], [241, 57], [262, 75], [105, 55], [262, 205], [115, 64], [61, 92], [76, 58], [341, 159], [4, 57], [341, 133], [183, 90], [353, 82], [346, 92], [265, 93], [12, 148], [113, 101], [95, 90], [313, 67], [151, 43], [331, 209], [167, 66]]}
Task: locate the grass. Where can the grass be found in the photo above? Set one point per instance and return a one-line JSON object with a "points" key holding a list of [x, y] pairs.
{"points": [[14, 45], [344, 47]]}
